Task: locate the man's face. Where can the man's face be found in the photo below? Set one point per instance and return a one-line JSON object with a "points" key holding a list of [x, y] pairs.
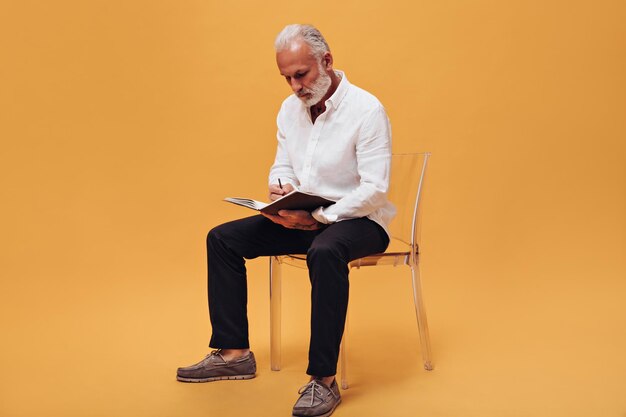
{"points": [[304, 72]]}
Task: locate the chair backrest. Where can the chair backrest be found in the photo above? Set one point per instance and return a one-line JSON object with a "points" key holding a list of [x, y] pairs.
{"points": [[408, 171]]}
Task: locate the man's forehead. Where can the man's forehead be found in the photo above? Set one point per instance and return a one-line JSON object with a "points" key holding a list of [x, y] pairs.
{"points": [[297, 45], [296, 55]]}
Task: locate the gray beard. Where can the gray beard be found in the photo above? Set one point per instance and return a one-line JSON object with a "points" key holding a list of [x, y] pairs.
{"points": [[318, 89]]}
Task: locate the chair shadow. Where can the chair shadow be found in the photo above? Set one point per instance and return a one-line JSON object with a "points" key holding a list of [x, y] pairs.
{"points": [[370, 365]]}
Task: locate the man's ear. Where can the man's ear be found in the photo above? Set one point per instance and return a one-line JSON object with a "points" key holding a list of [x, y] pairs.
{"points": [[327, 61]]}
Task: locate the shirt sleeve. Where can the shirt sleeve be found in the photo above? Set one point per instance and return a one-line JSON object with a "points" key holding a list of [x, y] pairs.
{"points": [[373, 155], [282, 167]]}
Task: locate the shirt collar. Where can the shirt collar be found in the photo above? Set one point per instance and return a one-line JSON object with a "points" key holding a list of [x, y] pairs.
{"points": [[340, 92]]}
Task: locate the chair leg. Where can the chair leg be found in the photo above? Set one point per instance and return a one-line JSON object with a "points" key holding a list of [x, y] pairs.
{"points": [[422, 324], [343, 362], [275, 313]]}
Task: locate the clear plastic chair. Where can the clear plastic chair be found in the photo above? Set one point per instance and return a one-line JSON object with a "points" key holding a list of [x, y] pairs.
{"points": [[407, 183]]}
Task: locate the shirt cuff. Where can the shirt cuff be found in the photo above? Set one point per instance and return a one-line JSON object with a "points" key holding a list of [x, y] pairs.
{"points": [[320, 216]]}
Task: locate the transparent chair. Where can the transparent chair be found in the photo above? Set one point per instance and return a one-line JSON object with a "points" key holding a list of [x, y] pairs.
{"points": [[407, 183]]}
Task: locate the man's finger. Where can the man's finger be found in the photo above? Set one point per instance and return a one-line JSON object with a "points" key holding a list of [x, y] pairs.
{"points": [[275, 189], [294, 214], [275, 219], [280, 220]]}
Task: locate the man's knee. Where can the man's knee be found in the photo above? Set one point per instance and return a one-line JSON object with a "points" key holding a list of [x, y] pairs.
{"points": [[238, 236], [325, 252], [328, 268], [214, 235], [221, 236]]}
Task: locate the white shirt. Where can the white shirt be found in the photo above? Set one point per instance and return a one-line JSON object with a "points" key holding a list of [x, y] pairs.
{"points": [[344, 156]]}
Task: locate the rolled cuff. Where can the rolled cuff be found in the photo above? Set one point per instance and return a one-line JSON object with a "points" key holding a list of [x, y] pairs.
{"points": [[319, 215]]}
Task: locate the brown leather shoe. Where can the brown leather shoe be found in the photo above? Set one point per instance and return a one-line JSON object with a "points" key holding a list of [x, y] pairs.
{"points": [[214, 368], [317, 400]]}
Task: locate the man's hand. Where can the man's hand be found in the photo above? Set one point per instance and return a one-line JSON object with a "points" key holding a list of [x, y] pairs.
{"points": [[295, 219], [277, 192]]}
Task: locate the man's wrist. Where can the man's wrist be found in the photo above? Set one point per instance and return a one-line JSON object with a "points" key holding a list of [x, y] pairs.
{"points": [[319, 217]]}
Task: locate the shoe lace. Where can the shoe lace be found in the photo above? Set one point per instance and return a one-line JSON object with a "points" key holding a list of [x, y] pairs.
{"points": [[314, 388], [216, 352]]}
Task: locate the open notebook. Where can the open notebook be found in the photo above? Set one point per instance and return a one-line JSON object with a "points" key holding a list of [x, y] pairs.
{"points": [[295, 200]]}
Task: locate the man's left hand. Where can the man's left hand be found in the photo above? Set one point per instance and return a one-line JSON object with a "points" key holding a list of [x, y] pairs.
{"points": [[295, 219]]}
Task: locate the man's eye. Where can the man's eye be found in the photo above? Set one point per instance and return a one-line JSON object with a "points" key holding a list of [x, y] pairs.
{"points": [[299, 75]]}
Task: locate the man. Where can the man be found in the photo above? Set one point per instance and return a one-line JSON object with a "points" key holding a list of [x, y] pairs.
{"points": [[334, 140]]}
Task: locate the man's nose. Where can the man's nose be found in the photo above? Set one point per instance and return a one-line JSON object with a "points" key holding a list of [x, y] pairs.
{"points": [[296, 85]]}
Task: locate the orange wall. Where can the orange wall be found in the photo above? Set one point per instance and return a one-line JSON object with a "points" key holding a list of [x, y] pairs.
{"points": [[123, 125]]}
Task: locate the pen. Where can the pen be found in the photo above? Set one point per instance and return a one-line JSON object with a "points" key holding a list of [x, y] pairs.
{"points": [[280, 184]]}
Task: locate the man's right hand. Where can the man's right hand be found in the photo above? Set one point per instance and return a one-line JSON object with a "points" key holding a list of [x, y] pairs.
{"points": [[276, 192]]}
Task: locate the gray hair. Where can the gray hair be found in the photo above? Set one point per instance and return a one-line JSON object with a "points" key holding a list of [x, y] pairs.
{"points": [[308, 33]]}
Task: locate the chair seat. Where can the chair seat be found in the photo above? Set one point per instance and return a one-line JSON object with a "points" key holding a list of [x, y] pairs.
{"points": [[397, 253]]}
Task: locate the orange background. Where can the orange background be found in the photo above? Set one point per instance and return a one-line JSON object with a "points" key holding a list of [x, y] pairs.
{"points": [[123, 125]]}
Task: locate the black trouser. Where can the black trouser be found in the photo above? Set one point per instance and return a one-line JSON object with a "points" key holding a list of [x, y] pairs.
{"points": [[328, 252]]}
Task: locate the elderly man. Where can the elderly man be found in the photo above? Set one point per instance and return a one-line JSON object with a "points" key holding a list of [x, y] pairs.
{"points": [[334, 140]]}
